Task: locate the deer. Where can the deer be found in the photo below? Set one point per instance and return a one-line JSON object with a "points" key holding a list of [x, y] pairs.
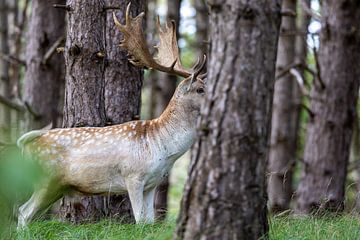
{"points": [[133, 157]]}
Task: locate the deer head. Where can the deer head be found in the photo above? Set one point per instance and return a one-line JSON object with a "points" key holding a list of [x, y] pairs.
{"points": [[192, 88]]}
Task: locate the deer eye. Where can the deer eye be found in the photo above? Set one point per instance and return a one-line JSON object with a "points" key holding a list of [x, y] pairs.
{"points": [[200, 90]]}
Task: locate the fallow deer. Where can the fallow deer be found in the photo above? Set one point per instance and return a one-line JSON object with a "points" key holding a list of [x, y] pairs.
{"points": [[132, 157]]}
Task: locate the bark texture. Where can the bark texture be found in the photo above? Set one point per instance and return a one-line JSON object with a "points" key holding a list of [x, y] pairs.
{"points": [[166, 85], [44, 76], [84, 92], [123, 83], [4, 73], [202, 26], [322, 184], [225, 195], [282, 146]]}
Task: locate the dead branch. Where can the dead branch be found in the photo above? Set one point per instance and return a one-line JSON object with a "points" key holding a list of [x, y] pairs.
{"points": [[11, 104], [308, 110], [111, 7], [12, 59], [286, 70], [288, 13], [52, 50], [307, 9], [32, 111], [62, 6], [300, 80], [318, 70], [293, 33]]}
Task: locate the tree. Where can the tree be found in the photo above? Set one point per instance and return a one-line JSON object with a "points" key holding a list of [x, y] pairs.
{"points": [[44, 68], [333, 107], [4, 73], [225, 195], [123, 83], [85, 86], [202, 24], [282, 152], [166, 85]]}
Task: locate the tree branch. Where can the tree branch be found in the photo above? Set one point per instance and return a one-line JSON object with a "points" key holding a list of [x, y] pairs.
{"points": [[300, 80], [12, 59], [52, 50], [307, 9], [111, 7], [288, 13], [318, 70], [11, 104], [32, 111], [62, 6]]}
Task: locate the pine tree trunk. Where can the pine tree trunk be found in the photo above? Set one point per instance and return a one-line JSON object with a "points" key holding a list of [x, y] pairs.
{"points": [[282, 152], [166, 85], [84, 92], [333, 105], [44, 77], [123, 83], [202, 26], [225, 195], [4, 74]]}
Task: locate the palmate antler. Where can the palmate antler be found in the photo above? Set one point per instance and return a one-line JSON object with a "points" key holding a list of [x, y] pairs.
{"points": [[167, 60]]}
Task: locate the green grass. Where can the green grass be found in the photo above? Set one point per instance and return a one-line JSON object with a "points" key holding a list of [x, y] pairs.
{"points": [[309, 228], [340, 227], [103, 230], [346, 227]]}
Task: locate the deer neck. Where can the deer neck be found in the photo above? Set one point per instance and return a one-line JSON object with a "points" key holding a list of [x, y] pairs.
{"points": [[177, 126]]}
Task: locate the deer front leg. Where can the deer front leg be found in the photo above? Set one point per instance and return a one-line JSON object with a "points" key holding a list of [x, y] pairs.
{"points": [[135, 190], [149, 205]]}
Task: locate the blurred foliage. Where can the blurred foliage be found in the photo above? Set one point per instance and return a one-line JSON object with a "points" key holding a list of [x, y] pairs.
{"points": [[17, 176]]}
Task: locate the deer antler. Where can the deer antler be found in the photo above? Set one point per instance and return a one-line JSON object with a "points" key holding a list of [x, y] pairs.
{"points": [[167, 60]]}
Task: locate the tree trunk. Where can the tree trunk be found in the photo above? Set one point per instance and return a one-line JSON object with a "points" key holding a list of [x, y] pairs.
{"points": [[166, 85], [4, 74], [333, 107], [84, 91], [355, 159], [44, 74], [123, 83], [225, 195], [202, 25], [282, 153]]}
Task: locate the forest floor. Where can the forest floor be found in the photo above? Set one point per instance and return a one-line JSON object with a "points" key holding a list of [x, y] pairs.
{"points": [[342, 227], [345, 227]]}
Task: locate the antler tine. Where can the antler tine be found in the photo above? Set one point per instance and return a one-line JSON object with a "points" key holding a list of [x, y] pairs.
{"points": [[134, 42], [198, 67], [127, 14]]}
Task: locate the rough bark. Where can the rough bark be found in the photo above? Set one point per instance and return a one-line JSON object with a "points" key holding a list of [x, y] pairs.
{"points": [[44, 77], [282, 152], [225, 195], [355, 159], [322, 183], [123, 83], [202, 26], [84, 90], [166, 85], [4, 73]]}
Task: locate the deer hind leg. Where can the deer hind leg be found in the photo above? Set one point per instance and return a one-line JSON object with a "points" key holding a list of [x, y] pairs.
{"points": [[135, 190], [149, 205], [40, 200]]}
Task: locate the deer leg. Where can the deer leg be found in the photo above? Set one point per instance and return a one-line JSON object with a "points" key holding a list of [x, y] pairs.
{"points": [[40, 200], [149, 205], [136, 195]]}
